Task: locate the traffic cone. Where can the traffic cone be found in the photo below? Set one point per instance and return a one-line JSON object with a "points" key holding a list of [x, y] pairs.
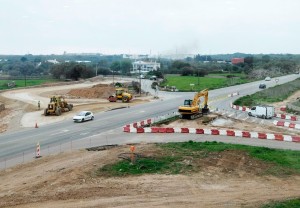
{"points": [[36, 126]]}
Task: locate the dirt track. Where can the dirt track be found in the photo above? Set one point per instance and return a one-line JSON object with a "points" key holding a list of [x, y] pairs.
{"points": [[68, 179]]}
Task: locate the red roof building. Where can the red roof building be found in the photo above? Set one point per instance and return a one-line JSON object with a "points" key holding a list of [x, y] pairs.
{"points": [[237, 60]]}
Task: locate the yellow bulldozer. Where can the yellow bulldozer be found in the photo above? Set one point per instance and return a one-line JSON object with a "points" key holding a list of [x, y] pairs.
{"points": [[57, 105], [191, 108], [121, 94]]}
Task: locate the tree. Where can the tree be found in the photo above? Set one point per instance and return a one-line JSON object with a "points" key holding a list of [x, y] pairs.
{"points": [[187, 71]]}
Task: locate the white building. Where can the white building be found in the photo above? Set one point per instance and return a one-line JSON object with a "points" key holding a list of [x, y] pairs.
{"points": [[53, 61], [144, 67]]}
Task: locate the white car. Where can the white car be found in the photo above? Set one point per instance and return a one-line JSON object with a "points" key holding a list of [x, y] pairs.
{"points": [[268, 79], [83, 116]]}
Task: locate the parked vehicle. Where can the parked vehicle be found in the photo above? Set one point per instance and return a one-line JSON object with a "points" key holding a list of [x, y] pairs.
{"points": [[268, 79], [83, 116], [263, 112], [262, 86], [153, 78]]}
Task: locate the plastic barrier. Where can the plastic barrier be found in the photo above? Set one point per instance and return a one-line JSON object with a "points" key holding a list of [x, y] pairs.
{"points": [[199, 131], [244, 108], [246, 134], [296, 138], [262, 135], [230, 133], [169, 130], [140, 130], [283, 108], [135, 125], [215, 132], [162, 130], [142, 123], [154, 130], [278, 137], [293, 118], [126, 129], [185, 130], [292, 125], [282, 116], [148, 121], [280, 123]]}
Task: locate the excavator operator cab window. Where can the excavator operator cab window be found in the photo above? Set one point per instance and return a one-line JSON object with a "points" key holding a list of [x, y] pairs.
{"points": [[188, 102]]}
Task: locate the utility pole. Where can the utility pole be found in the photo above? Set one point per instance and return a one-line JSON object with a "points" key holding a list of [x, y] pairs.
{"points": [[198, 77], [96, 69], [140, 80]]}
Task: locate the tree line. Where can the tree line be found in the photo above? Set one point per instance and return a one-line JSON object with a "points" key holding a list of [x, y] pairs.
{"points": [[199, 65]]}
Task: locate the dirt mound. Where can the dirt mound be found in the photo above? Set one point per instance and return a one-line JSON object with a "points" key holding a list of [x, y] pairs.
{"points": [[97, 91]]}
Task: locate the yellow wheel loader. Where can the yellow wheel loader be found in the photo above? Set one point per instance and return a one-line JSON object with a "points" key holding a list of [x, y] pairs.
{"points": [[121, 94]]}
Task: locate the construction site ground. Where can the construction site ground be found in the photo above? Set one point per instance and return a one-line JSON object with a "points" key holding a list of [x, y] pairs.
{"points": [[233, 179]]}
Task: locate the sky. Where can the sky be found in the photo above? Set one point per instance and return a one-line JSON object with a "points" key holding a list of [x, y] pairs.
{"points": [[153, 27]]}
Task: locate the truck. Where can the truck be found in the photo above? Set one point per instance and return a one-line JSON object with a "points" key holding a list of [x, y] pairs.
{"points": [[264, 112]]}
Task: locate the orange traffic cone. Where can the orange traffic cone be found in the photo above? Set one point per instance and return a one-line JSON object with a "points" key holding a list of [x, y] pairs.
{"points": [[36, 126]]}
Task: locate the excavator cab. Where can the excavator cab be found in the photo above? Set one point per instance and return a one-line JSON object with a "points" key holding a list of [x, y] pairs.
{"points": [[187, 102]]}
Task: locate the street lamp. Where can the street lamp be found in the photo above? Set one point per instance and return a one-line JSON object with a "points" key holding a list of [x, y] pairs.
{"points": [[198, 76]]}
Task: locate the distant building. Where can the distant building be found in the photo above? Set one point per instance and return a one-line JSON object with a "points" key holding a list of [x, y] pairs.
{"points": [[237, 60], [135, 57], [144, 67], [53, 61]]}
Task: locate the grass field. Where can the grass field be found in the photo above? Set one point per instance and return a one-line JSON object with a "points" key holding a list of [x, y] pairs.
{"points": [[183, 83], [270, 95], [283, 162], [21, 83], [292, 203]]}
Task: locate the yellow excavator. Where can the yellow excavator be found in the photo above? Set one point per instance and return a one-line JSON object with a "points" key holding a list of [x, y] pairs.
{"points": [[191, 108]]}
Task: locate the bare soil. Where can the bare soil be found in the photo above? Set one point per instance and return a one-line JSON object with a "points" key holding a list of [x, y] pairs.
{"points": [[228, 179]]}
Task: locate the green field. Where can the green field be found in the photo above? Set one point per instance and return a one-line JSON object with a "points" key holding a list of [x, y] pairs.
{"points": [[292, 203], [270, 95], [170, 157], [183, 83], [21, 83]]}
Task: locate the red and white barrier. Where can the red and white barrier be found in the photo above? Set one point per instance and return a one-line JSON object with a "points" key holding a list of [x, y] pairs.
{"points": [[286, 124], [282, 116], [224, 132], [283, 108], [241, 108], [287, 117]]}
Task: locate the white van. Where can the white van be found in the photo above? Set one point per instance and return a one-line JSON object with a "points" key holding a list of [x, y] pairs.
{"points": [[262, 111]]}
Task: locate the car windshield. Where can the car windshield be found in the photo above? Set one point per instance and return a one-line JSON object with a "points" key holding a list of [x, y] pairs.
{"points": [[81, 114]]}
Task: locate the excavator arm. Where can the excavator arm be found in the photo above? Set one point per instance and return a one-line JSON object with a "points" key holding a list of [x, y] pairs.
{"points": [[198, 95], [191, 108]]}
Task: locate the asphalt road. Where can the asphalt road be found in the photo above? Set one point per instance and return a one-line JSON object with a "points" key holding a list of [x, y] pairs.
{"points": [[110, 122]]}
